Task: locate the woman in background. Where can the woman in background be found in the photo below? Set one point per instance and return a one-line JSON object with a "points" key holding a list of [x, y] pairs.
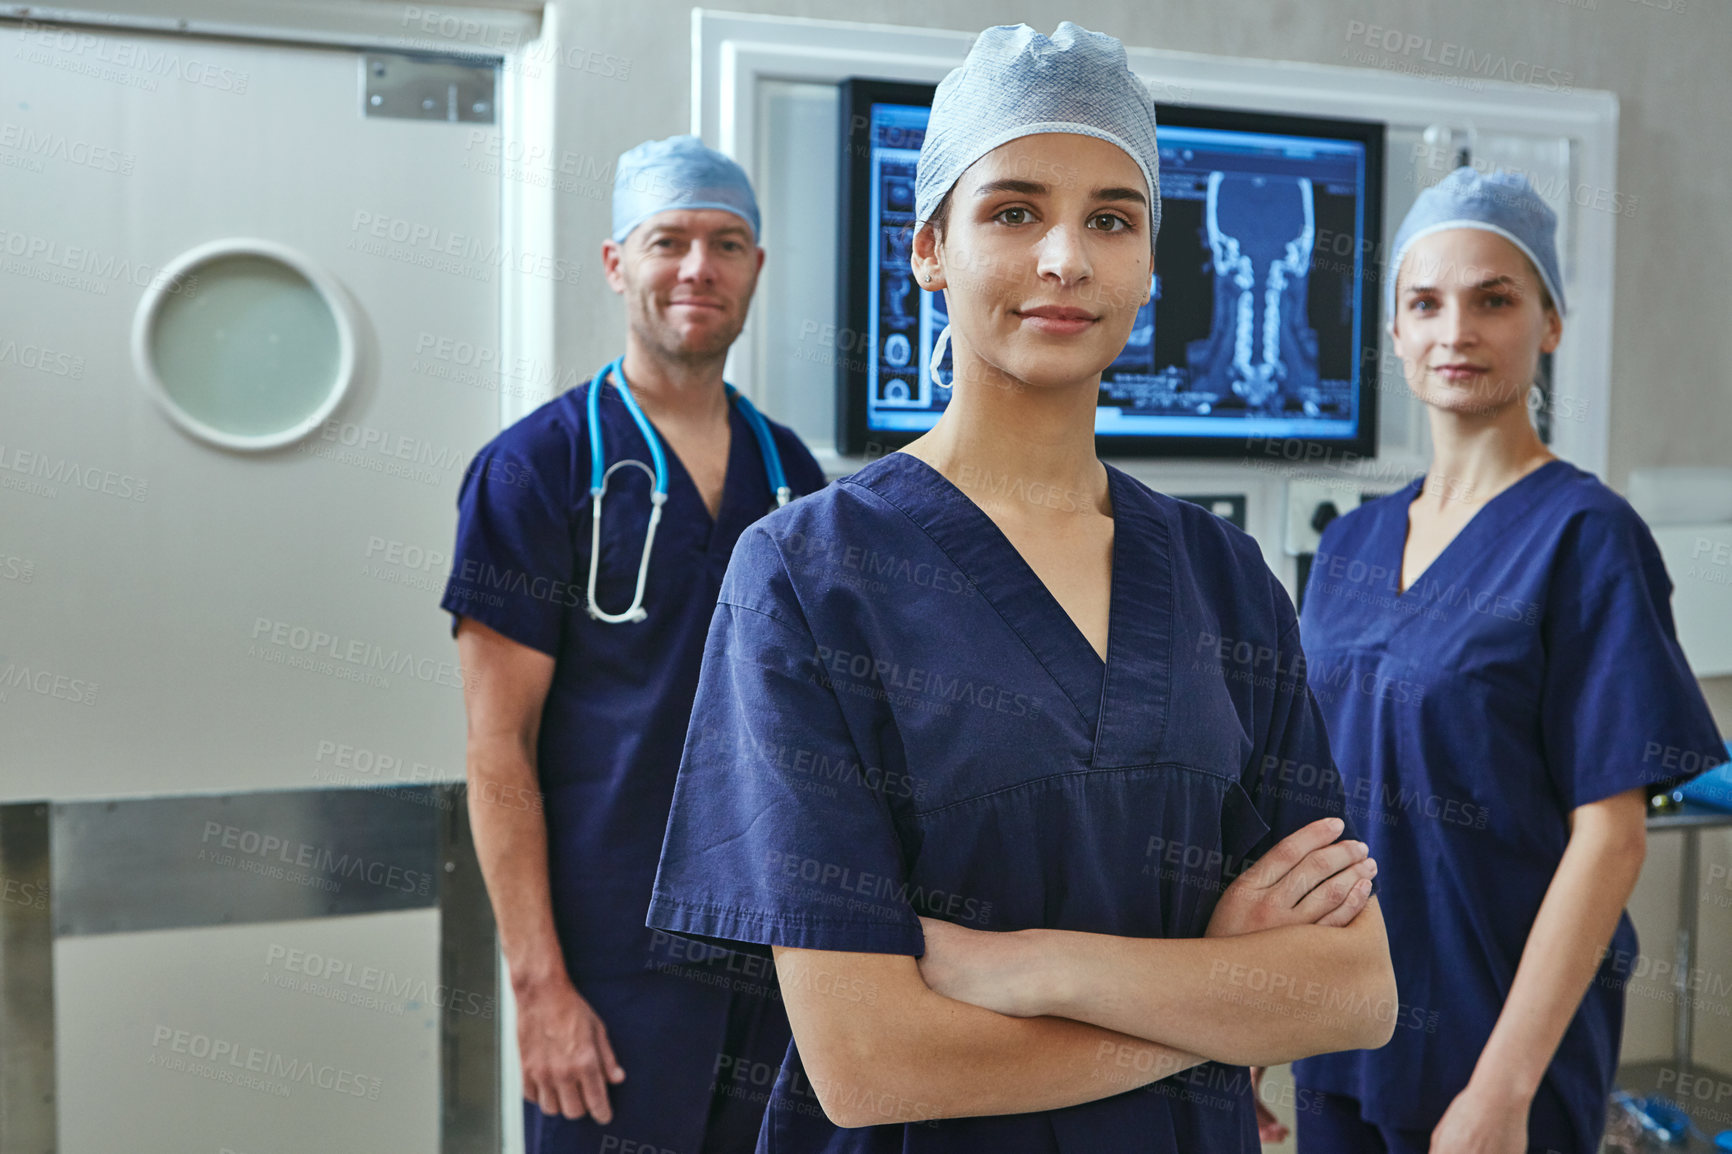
{"points": [[1493, 651]]}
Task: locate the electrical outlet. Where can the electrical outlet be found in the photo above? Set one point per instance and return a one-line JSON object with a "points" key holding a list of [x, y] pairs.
{"points": [[1304, 500]]}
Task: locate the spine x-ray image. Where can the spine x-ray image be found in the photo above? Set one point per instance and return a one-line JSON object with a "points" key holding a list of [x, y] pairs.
{"points": [[1261, 347]]}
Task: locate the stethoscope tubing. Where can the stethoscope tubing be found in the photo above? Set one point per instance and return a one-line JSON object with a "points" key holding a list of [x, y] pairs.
{"points": [[600, 472]]}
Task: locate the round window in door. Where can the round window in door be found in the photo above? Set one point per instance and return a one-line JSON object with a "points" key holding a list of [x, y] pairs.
{"points": [[245, 343]]}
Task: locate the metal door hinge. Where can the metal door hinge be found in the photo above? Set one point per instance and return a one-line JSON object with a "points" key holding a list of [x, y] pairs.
{"points": [[420, 88]]}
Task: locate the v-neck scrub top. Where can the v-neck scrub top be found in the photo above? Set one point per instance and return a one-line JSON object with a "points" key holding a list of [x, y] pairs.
{"points": [[896, 718], [616, 711], [1532, 669]]}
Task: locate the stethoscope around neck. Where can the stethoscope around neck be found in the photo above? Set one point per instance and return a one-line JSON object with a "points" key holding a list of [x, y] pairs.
{"points": [[600, 472]]}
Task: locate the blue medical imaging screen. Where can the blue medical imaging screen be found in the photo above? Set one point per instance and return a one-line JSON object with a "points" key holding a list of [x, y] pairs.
{"points": [[1263, 306]]}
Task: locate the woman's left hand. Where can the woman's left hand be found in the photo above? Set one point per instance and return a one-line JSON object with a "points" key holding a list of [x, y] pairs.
{"points": [[1483, 1122], [995, 971]]}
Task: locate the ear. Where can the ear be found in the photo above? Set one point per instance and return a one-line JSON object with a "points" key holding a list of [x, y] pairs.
{"points": [[927, 260], [612, 254], [1554, 333]]}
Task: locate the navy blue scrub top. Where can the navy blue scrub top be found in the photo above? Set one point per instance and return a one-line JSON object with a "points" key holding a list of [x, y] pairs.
{"points": [[896, 719], [1532, 669], [621, 696]]}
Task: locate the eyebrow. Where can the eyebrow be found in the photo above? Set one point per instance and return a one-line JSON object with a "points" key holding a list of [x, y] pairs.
{"points": [[1129, 194], [1494, 282], [661, 230], [1038, 188]]}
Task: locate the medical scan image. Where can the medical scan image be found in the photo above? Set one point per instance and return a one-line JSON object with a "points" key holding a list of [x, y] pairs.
{"points": [[1261, 349]]}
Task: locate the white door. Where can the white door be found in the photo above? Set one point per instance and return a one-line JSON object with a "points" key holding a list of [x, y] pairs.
{"points": [[210, 619], [179, 617]]}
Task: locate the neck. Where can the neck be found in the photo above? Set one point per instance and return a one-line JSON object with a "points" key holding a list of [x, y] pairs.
{"points": [[673, 390], [1000, 435], [1475, 456]]}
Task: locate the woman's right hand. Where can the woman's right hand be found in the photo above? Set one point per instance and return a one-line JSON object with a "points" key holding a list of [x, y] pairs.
{"points": [[1308, 878]]}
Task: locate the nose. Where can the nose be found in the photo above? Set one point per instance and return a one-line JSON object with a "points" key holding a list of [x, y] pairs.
{"points": [[1457, 327], [1063, 256], [698, 264]]}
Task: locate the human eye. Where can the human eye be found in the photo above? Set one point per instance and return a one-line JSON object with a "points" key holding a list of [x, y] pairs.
{"points": [[1020, 214], [1114, 222]]}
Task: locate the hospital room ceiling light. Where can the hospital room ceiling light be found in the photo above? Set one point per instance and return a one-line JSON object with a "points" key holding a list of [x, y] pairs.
{"points": [[246, 344]]}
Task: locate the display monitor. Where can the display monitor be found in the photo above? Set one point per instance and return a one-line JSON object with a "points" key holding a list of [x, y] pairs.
{"points": [[1263, 319]]}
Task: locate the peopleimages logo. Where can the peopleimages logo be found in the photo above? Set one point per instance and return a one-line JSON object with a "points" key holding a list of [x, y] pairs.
{"points": [[334, 973], [867, 562], [41, 359], [841, 665], [252, 843], [58, 146], [227, 1060], [83, 268], [439, 248], [926, 900], [99, 56], [46, 683], [1417, 48], [48, 472], [309, 642]]}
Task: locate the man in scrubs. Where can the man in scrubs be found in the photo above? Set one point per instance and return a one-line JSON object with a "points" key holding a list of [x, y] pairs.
{"points": [[628, 1037]]}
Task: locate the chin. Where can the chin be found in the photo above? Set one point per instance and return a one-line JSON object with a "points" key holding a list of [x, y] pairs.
{"points": [[1056, 368], [704, 340], [1474, 402]]}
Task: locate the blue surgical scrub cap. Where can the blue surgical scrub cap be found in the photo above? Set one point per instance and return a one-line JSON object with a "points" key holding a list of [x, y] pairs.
{"points": [[679, 172], [1015, 83], [1499, 202]]}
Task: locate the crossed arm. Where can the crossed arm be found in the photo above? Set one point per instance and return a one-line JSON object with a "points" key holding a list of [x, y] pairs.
{"points": [[1002, 1023], [908, 1053]]}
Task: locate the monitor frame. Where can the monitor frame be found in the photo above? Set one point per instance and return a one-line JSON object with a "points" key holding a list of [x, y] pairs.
{"points": [[854, 294]]}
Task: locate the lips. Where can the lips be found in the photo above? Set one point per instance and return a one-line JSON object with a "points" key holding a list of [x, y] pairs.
{"points": [[697, 303], [1054, 312], [1055, 320]]}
